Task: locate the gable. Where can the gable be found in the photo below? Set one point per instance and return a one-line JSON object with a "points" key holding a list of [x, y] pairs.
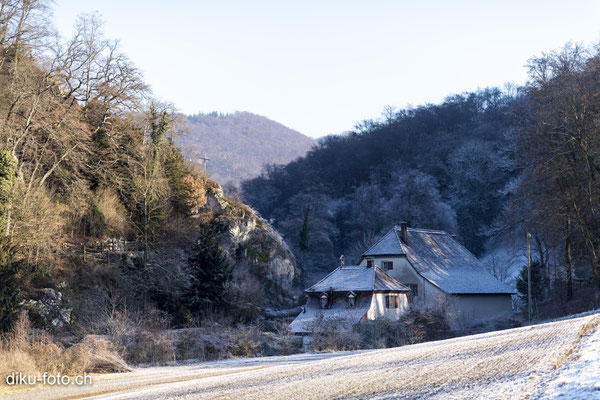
{"points": [[389, 244]]}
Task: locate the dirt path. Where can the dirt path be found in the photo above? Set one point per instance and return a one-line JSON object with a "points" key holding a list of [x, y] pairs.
{"points": [[511, 364]]}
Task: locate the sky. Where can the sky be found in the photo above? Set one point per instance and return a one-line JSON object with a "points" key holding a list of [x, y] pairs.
{"points": [[321, 66]]}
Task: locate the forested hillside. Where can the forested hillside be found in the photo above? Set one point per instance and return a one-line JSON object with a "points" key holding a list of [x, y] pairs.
{"points": [[239, 144], [494, 167], [446, 166], [104, 227]]}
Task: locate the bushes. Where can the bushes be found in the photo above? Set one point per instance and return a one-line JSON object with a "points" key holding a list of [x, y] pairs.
{"points": [[337, 334], [206, 344], [33, 353], [333, 334]]}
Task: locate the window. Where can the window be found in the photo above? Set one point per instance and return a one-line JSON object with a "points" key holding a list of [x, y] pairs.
{"points": [[370, 262], [414, 290], [324, 300], [391, 301], [387, 265], [351, 299]]}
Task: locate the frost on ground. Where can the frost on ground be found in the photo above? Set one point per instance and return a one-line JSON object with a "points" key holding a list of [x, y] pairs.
{"points": [[513, 364], [579, 380]]}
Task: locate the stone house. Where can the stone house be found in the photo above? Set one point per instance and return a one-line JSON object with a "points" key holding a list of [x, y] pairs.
{"points": [[438, 269]]}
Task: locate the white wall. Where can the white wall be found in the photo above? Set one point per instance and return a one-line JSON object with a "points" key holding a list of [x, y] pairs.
{"points": [[428, 296], [463, 310], [378, 309]]}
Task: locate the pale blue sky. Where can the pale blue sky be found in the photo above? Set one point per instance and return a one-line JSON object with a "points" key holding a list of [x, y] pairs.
{"points": [[321, 66]]}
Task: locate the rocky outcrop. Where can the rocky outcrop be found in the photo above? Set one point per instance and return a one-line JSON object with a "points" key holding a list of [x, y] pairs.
{"points": [[47, 308], [256, 250]]}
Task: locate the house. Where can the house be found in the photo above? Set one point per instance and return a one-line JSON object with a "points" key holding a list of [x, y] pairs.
{"points": [[352, 293], [439, 269]]}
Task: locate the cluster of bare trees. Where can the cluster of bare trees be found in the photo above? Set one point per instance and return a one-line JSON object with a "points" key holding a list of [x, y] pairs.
{"points": [[560, 151], [85, 133]]}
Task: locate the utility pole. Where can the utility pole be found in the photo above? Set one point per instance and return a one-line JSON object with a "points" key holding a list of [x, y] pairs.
{"points": [[204, 161], [529, 276]]}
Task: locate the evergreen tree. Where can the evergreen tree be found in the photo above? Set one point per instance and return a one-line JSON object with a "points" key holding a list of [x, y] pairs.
{"points": [[210, 272], [175, 173], [10, 296], [304, 232], [94, 221], [537, 283], [8, 175]]}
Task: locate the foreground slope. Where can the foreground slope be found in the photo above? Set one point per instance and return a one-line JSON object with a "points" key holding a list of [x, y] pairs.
{"points": [[520, 363]]}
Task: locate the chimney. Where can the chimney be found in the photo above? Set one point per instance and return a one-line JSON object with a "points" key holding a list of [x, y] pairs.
{"points": [[342, 260], [404, 231]]}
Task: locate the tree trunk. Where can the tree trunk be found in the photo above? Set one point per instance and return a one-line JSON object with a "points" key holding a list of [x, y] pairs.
{"points": [[569, 261]]}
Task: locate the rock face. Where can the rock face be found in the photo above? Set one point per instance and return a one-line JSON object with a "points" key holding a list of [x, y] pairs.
{"points": [[258, 253], [48, 308]]}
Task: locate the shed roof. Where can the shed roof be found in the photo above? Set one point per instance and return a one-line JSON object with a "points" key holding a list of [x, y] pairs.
{"points": [[358, 278], [440, 259]]}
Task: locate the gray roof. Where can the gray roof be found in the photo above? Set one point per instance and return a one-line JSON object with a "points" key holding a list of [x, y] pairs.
{"points": [[440, 259], [338, 313], [358, 278]]}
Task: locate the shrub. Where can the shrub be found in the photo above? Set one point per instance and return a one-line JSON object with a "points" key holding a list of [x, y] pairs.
{"points": [[34, 353], [333, 334], [383, 332]]}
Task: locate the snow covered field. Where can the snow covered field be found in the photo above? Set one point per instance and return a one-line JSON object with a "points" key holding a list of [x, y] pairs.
{"points": [[552, 360]]}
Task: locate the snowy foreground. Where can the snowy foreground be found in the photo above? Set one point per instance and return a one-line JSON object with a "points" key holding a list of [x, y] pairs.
{"points": [[548, 361]]}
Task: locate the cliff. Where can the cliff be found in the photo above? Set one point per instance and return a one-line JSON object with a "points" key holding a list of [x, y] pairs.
{"points": [[264, 269]]}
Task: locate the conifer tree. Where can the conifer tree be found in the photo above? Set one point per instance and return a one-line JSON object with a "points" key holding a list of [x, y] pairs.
{"points": [[210, 272], [537, 283], [10, 295]]}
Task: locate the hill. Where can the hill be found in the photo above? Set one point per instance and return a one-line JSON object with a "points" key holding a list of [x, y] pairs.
{"points": [[444, 166], [239, 144]]}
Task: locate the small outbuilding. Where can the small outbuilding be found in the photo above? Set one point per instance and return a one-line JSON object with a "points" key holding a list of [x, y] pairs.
{"points": [[352, 294]]}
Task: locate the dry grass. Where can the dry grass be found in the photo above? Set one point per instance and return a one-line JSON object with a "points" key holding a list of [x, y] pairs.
{"points": [[33, 353], [584, 330]]}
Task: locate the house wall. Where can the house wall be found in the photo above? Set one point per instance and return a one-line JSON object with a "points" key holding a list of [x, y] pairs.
{"points": [[467, 309], [378, 309], [428, 294], [462, 310]]}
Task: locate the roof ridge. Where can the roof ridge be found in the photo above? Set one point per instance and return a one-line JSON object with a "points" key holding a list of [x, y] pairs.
{"points": [[426, 230]]}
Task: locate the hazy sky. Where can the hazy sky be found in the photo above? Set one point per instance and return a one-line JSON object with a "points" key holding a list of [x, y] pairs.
{"points": [[321, 66]]}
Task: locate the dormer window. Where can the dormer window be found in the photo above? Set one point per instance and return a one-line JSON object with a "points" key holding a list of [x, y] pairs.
{"points": [[370, 262], [387, 265], [324, 300], [351, 299]]}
